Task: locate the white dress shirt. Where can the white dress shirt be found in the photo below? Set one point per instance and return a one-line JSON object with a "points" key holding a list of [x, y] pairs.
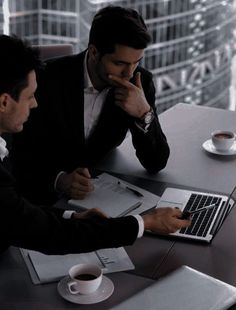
{"points": [[3, 148], [93, 102]]}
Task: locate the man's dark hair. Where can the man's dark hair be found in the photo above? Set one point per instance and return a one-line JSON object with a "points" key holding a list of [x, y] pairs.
{"points": [[116, 25], [17, 60]]}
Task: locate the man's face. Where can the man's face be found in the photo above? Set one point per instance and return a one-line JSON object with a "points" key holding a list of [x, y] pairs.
{"points": [[122, 63], [16, 113]]}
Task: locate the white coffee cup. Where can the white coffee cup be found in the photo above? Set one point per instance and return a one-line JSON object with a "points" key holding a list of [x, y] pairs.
{"points": [[222, 139], [84, 279]]}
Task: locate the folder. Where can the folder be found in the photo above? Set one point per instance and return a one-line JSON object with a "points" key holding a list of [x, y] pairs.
{"points": [[185, 289], [50, 268]]}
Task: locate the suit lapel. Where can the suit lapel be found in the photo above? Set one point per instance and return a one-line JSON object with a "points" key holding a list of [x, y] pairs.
{"points": [[74, 108]]}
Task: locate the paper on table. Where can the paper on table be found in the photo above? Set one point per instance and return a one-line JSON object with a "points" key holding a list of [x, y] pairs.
{"points": [[50, 268], [184, 289], [114, 199]]}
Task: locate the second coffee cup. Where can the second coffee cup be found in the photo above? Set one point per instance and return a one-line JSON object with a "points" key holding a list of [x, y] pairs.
{"points": [[222, 139]]}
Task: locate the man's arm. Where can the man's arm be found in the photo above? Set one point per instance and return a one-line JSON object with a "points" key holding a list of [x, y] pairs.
{"points": [[44, 229], [136, 98]]}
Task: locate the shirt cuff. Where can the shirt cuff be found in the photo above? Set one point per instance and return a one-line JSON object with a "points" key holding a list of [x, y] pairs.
{"points": [[140, 224], [57, 177], [67, 214]]}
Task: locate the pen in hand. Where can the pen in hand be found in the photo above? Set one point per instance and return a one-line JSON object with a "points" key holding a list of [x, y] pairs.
{"points": [[187, 214], [134, 191]]}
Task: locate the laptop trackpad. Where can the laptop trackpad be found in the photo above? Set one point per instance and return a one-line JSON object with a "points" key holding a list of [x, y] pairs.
{"points": [[173, 197]]}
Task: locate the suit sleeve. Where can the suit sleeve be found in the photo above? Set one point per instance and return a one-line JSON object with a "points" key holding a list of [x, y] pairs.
{"points": [[151, 148], [34, 157], [43, 229]]}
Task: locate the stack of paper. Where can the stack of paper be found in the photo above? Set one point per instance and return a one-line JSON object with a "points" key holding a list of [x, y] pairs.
{"points": [[116, 197], [49, 268]]}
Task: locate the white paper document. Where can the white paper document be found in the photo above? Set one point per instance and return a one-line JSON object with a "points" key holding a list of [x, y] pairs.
{"points": [[185, 289], [49, 268], [116, 197]]}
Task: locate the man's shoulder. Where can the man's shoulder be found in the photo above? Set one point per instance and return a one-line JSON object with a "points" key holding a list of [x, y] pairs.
{"points": [[144, 72], [146, 76], [66, 63]]}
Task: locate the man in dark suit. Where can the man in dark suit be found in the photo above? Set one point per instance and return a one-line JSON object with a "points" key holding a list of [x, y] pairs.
{"points": [[45, 229], [87, 104]]}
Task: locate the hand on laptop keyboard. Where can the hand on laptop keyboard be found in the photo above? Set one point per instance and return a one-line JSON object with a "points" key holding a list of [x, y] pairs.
{"points": [[165, 220]]}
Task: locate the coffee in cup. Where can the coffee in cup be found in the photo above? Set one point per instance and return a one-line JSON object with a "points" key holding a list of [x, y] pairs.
{"points": [[222, 139], [84, 279]]}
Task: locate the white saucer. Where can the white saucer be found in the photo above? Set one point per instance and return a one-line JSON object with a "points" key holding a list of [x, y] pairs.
{"points": [[209, 147], [103, 292]]}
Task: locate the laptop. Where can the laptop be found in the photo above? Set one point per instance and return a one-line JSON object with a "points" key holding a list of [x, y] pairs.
{"points": [[206, 223]]}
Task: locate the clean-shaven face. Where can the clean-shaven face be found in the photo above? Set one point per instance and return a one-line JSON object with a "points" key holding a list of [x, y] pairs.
{"points": [[17, 112], [122, 63]]}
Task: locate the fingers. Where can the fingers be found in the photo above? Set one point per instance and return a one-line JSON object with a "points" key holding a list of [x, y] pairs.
{"points": [[138, 82], [89, 214], [121, 96], [98, 212], [81, 185], [123, 83], [120, 82], [165, 220], [76, 184], [84, 172]]}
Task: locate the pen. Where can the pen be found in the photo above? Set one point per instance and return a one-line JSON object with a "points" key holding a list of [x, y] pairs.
{"points": [[134, 191], [134, 207], [186, 214]]}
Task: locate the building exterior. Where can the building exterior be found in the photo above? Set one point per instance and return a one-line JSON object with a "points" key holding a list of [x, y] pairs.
{"points": [[1, 17], [192, 49], [45, 21], [191, 53]]}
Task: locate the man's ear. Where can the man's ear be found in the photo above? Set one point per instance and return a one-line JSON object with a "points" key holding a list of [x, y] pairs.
{"points": [[93, 52], [4, 100]]}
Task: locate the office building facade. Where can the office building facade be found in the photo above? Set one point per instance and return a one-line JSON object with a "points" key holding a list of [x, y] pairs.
{"points": [[1, 17], [192, 49], [45, 21], [191, 53]]}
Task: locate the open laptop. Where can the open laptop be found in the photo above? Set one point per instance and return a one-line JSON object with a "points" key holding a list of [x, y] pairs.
{"points": [[205, 224]]}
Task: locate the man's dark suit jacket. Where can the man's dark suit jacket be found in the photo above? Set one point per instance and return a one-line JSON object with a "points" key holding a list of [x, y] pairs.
{"points": [[53, 138], [25, 225]]}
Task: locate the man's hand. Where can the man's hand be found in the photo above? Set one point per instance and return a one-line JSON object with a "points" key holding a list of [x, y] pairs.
{"points": [[130, 97], [89, 214], [165, 220], [76, 184]]}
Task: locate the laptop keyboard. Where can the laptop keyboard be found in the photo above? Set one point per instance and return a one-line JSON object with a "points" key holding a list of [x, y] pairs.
{"points": [[200, 221]]}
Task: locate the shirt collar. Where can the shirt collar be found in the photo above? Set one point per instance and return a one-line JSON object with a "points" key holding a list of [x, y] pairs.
{"points": [[87, 82], [3, 149]]}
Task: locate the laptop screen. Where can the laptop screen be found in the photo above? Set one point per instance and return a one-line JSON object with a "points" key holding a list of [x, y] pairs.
{"points": [[225, 211]]}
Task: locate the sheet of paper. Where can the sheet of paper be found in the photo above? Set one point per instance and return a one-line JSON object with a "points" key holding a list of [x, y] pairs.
{"points": [[112, 197], [49, 268]]}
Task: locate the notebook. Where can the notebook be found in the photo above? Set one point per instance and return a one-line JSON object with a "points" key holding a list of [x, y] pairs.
{"points": [[116, 197], [205, 224], [184, 288]]}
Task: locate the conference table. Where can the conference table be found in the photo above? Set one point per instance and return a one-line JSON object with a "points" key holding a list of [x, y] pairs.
{"points": [[186, 127], [189, 166]]}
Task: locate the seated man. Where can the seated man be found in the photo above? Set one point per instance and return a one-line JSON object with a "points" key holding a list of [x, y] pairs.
{"points": [[87, 104], [49, 230]]}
